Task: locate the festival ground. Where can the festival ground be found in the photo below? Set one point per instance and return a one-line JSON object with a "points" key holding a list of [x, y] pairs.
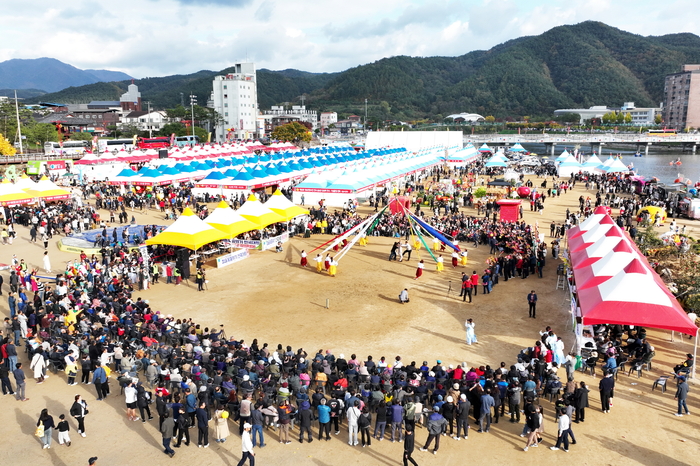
{"points": [[270, 297]]}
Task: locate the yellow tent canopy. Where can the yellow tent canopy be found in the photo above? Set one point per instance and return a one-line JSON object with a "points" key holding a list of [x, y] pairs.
{"points": [[11, 195], [257, 213], [229, 221], [188, 231], [48, 190], [283, 206]]}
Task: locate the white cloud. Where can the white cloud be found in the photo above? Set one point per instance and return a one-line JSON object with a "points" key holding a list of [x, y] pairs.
{"points": [[164, 37]]}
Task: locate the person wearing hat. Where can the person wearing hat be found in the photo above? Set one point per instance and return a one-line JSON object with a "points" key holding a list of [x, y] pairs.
{"points": [[463, 416], [685, 365], [247, 446], [681, 395], [436, 426]]}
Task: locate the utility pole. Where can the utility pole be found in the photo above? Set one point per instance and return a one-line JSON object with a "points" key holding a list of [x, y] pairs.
{"points": [[193, 100], [150, 127], [19, 128]]}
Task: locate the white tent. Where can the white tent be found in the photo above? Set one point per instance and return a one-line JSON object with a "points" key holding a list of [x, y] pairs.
{"points": [[568, 167]]}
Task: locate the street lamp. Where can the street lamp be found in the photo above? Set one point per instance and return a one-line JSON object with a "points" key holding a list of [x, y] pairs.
{"points": [[365, 116], [193, 100]]}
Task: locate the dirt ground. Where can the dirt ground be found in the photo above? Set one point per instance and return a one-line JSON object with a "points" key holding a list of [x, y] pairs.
{"points": [[270, 297]]}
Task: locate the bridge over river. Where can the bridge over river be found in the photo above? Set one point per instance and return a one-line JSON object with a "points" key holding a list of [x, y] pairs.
{"points": [[642, 142]]}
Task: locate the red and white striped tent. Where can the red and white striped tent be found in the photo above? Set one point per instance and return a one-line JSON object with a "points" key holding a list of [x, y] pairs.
{"points": [[615, 284]]}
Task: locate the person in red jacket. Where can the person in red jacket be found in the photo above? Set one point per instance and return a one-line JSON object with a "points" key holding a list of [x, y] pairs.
{"points": [[475, 282]]}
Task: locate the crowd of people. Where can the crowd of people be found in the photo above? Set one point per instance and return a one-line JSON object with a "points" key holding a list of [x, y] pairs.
{"points": [[90, 324]]}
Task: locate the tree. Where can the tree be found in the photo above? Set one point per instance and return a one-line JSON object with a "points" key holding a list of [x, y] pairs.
{"points": [[5, 147], [169, 128], [40, 133], [489, 119], [129, 131], [658, 119], [293, 132], [628, 118], [81, 136], [619, 118]]}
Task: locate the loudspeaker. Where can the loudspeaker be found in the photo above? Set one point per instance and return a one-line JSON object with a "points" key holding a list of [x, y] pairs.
{"points": [[183, 263], [162, 153]]}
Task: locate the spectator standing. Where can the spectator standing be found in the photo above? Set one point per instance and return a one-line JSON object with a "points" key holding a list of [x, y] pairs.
{"points": [[247, 446], [682, 395], [166, 430]]}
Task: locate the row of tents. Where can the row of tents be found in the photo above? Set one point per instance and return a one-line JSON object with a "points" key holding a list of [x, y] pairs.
{"points": [[191, 232], [26, 191], [189, 153], [567, 165]]}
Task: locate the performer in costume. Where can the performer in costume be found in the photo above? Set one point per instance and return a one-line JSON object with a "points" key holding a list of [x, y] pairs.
{"points": [[304, 261], [319, 263], [327, 262], [436, 244], [463, 258], [455, 259], [333, 268], [440, 264], [419, 270], [363, 239]]}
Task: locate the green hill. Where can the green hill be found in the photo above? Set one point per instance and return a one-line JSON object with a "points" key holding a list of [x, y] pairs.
{"points": [[568, 66]]}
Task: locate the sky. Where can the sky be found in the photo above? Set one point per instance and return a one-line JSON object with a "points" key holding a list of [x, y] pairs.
{"points": [[147, 38]]}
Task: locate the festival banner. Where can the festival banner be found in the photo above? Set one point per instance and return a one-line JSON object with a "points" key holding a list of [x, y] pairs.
{"points": [[245, 243], [232, 258], [271, 242]]}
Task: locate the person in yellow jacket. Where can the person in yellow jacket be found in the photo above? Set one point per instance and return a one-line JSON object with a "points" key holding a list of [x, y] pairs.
{"points": [[71, 370]]}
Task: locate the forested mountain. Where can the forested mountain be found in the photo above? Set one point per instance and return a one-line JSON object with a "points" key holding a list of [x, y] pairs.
{"points": [[568, 66], [50, 75]]}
